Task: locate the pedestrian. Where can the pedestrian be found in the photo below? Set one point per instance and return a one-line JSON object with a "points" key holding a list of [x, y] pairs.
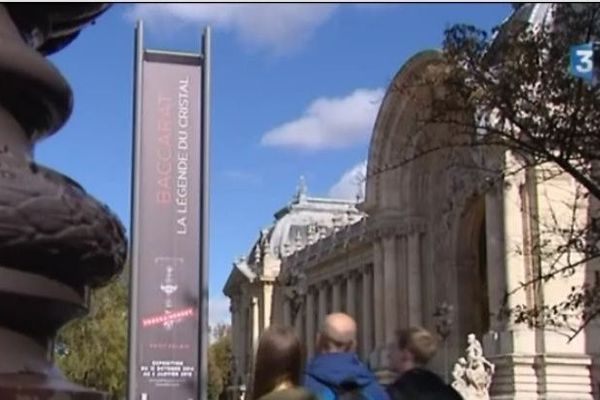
{"points": [[336, 372], [415, 347], [278, 367]]}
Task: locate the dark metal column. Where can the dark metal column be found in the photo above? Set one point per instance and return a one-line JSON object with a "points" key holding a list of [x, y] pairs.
{"points": [[56, 241]]}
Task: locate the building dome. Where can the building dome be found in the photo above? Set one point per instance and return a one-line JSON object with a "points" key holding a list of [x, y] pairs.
{"points": [[523, 16], [302, 222], [533, 15]]}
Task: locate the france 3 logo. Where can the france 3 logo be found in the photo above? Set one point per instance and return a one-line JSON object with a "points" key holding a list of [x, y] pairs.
{"points": [[585, 62]]}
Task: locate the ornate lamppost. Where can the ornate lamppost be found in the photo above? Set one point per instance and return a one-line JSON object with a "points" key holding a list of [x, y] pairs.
{"points": [[56, 241]]}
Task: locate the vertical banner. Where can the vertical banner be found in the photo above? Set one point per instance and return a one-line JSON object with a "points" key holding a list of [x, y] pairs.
{"points": [[168, 271]]}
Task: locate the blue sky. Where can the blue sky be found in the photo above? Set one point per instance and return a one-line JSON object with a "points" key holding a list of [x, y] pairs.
{"points": [[296, 89]]}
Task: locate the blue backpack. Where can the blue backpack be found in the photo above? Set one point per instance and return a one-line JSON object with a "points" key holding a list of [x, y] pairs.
{"points": [[345, 391]]}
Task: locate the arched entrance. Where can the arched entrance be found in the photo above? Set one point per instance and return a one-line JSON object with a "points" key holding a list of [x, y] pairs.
{"points": [[472, 288]]}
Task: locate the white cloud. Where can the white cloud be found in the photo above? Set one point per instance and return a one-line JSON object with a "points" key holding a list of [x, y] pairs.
{"points": [[352, 183], [242, 176], [330, 122], [277, 27]]}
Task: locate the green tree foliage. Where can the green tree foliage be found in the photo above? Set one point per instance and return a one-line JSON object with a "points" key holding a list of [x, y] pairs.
{"points": [[215, 384], [219, 361], [91, 351]]}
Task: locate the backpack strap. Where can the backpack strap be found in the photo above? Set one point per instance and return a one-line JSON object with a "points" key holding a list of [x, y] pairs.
{"points": [[327, 392], [361, 390], [333, 392]]}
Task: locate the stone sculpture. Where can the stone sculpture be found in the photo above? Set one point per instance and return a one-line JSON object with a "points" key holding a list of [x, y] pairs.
{"points": [[458, 373], [56, 241], [295, 287], [473, 374]]}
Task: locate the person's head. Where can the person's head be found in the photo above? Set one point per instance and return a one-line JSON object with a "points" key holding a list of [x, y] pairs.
{"points": [[278, 360], [337, 334], [415, 348]]}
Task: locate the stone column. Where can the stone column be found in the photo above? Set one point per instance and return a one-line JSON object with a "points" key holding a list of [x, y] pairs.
{"points": [[336, 284], [378, 306], [255, 325], [514, 270], [287, 313], [243, 339], [261, 300], [237, 331], [390, 304], [239, 337], [322, 302], [233, 309], [255, 335], [367, 311], [267, 304], [298, 325], [496, 268], [310, 323], [415, 305], [512, 346], [350, 294]]}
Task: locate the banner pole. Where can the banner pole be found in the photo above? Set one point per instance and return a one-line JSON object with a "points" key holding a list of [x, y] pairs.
{"points": [[205, 203], [133, 264]]}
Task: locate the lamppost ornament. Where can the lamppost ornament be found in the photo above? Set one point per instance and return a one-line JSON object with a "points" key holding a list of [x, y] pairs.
{"points": [[56, 241]]}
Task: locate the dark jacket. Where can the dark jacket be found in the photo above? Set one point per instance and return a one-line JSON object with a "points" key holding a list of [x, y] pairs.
{"points": [[289, 394], [334, 370], [421, 384]]}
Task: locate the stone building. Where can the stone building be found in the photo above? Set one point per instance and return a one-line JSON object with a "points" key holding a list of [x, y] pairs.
{"points": [[250, 284], [440, 231]]}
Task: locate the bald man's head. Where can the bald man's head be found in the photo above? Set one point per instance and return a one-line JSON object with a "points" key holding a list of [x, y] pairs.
{"points": [[337, 334]]}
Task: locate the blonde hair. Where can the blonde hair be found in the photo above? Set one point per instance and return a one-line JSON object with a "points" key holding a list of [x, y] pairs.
{"points": [[420, 342]]}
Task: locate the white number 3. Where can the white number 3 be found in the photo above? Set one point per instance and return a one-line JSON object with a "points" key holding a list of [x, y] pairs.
{"points": [[585, 62]]}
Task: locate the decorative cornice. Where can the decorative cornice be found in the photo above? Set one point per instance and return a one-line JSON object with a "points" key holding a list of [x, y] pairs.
{"points": [[340, 269], [383, 224], [339, 242], [389, 223]]}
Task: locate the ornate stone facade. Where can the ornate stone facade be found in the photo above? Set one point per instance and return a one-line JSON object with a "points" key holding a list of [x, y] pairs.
{"points": [[446, 231], [251, 283]]}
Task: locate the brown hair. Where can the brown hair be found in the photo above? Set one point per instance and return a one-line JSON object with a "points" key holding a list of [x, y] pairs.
{"points": [[420, 342], [278, 359]]}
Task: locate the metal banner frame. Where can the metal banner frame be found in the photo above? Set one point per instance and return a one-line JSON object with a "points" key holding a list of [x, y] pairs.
{"points": [[188, 301]]}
